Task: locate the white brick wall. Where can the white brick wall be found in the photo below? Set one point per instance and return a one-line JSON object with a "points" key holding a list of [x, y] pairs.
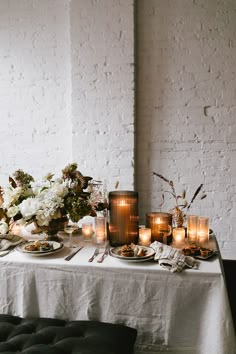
{"points": [[103, 89], [35, 88], [186, 106]]}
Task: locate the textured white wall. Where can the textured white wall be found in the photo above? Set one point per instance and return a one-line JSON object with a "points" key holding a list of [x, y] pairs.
{"points": [[186, 105], [67, 87], [103, 89], [35, 126]]}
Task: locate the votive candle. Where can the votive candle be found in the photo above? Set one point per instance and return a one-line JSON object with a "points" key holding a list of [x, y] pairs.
{"points": [[87, 231], [145, 236], [179, 235]]}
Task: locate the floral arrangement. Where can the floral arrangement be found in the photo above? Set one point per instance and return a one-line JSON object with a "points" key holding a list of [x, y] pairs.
{"points": [[72, 196], [182, 206]]}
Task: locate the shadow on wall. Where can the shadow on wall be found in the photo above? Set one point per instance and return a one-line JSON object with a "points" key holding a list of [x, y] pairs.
{"points": [[151, 129]]}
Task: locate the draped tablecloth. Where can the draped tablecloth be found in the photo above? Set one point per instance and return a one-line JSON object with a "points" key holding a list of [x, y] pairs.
{"points": [[184, 312]]}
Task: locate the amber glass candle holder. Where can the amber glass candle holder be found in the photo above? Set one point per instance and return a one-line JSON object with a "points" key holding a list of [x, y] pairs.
{"points": [[161, 226], [124, 220]]}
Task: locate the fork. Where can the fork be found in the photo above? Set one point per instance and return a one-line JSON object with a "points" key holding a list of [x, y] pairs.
{"points": [[101, 259], [96, 252]]}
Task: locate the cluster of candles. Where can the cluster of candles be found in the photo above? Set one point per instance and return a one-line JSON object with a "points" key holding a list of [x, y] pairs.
{"points": [[124, 225], [160, 229]]}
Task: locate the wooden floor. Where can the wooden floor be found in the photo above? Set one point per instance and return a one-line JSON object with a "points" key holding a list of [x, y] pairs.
{"points": [[230, 274]]}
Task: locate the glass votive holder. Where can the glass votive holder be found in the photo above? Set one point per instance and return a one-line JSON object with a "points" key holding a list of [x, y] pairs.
{"points": [[192, 225], [87, 231], [203, 230], [145, 235], [160, 224], [178, 236], [100, 230]]}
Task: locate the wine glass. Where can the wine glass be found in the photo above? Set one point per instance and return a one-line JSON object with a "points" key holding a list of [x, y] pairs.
{"points": [[69, 228]]}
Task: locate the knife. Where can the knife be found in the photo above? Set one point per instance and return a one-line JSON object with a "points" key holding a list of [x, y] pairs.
{"points": [[68, 258]]}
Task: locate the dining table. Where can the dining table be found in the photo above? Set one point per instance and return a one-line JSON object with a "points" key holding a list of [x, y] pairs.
{"points": [[184, 312]]}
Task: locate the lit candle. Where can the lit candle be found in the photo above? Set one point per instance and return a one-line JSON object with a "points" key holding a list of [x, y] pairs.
{"points": [[178, 236], [123, 211], [160, 224], [100, 230], [192, 224], [203, 230], [123, 220], [87, 231], [145, 236]]}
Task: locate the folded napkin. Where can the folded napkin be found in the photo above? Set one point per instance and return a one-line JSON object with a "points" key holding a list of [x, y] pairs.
{"points": [[8, 241], [172, 258]]}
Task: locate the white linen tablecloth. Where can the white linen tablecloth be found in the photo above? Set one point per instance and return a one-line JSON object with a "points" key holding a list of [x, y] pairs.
{"points": [[184, 312]]}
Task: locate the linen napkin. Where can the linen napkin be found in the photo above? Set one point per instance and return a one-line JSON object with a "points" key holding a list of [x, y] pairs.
{"points": [[8, 241], [172, 258]]}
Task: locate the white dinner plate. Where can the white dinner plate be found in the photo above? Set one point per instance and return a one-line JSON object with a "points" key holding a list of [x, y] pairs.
{"points": [[55, 247], [115, 252]]}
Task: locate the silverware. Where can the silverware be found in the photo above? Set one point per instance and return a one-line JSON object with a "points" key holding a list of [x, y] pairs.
{"points": [[68, 258], [6, 252], [106, 252], [96, 252]]}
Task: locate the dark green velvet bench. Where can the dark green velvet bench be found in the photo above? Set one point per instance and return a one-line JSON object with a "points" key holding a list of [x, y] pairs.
{"points": [[53, 336]]}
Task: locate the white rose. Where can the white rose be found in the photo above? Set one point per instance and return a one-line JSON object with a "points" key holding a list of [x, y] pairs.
{"points": [[29, 208]]}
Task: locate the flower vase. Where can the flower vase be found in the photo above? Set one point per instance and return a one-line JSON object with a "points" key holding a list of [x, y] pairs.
{"points": [[53, 228]]}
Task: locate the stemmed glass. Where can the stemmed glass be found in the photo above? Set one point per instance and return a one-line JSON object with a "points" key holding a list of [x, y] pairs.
{"points": [[69, 228]]}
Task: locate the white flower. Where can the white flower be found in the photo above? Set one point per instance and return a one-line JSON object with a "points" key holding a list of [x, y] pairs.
{"points": [[29, 207], [12, 211], [3, 227], [10, 196]]}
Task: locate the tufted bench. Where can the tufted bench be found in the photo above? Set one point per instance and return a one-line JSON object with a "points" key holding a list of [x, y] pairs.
{"points": [[53, 336]]}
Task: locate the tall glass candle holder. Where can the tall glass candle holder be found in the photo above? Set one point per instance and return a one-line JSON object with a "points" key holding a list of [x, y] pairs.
{"points": [[192, 225], [124, 220], [161, 226], [100, 230], [203, 230]]}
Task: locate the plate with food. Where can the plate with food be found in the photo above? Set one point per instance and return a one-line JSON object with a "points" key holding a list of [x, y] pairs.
{"points": [[133, 253], [198, 252], [40, 248]]}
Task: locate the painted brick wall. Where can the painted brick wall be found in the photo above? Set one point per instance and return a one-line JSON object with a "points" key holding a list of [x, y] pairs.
{"points": [[67, 87], [186, 104], [103, 89], [35, 86]]}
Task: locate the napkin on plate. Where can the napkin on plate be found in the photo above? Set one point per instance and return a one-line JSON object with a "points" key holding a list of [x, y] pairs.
{"points": [[171, 258], [8, 241]]}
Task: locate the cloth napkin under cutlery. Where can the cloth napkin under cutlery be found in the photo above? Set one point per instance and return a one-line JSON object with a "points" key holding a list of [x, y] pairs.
{"points": [[172, 258], [8, 242]]}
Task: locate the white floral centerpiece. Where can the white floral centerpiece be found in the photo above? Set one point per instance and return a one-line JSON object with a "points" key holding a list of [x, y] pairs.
{"points": [[50, 201]]}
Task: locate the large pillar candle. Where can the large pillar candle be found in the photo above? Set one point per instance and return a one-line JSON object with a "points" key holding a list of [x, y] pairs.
{"points": [[123, 224]]}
